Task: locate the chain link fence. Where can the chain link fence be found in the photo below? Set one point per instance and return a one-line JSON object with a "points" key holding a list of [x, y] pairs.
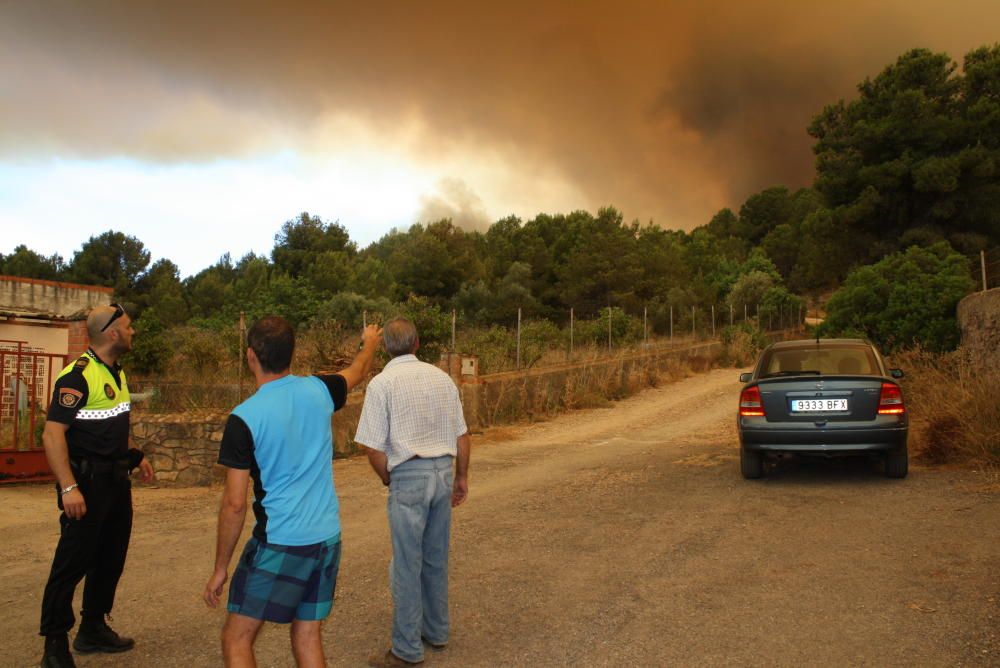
{"points": [[209, 370]]}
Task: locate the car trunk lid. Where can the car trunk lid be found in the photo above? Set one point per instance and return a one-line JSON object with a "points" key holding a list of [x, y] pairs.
{"points": [[820, 398]]}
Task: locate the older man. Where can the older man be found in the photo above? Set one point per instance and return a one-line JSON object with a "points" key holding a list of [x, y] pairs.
{"points": [[417, 442], [86, 442]]}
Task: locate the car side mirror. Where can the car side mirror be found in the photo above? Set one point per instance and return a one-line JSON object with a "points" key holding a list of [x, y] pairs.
{"points": [[745, 377], [896, 373]]}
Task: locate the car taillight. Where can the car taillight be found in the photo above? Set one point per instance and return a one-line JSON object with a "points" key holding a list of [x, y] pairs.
{"points": [[890, 401], [750, 405]]}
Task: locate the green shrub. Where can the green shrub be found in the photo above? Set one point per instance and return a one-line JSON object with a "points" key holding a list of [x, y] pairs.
{"points": [[903, 300]]}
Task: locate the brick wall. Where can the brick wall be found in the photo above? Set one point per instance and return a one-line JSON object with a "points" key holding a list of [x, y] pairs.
{"points": [[79, 340]]}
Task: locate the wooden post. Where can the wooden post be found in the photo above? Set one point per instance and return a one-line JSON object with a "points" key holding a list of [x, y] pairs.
{"points": [[609, 329], [243, 352], [519, 337]]}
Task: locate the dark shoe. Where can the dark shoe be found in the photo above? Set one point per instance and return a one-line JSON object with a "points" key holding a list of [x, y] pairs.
{"points": [[57, 653], [390, 660], [96, 636], [437, 647]]}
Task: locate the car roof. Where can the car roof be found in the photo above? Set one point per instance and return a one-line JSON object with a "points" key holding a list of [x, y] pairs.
{"points": [[801, 343]]}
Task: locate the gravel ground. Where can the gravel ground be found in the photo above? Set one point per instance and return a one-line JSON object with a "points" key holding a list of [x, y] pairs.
{"points": [[609, 537]]}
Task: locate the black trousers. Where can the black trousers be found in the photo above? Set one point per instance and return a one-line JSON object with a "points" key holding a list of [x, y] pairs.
{"points": [[93, 547]]}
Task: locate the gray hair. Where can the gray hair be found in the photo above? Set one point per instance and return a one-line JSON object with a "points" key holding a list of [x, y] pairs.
{"points": [[400, 336]]}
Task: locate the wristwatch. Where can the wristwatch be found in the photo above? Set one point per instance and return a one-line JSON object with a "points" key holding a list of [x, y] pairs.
{"points": [[66, 490]]}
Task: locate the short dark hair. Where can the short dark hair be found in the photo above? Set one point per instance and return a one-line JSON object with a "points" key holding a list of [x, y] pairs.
{"points": [[273, 342]]}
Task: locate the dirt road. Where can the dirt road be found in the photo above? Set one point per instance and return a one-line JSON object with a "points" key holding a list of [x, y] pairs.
{"points": [[610, 537]]}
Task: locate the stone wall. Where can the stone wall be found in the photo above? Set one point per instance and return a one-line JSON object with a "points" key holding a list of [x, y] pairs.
{"points": [[184, 447], [979, 319]]}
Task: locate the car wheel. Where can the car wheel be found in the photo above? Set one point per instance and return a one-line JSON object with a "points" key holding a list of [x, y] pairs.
{"points": [[897, 463], [751, 464]]}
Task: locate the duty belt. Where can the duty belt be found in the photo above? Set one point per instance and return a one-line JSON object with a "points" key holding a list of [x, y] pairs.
{"points": [[95, 467]]}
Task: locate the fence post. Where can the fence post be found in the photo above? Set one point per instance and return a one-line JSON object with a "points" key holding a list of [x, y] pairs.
{"points": [[713, 321], [571, 331], [744, 312], [645, 338], [730, 314], [758, 316], [982, 262], [693, 335], [609, 330], [454, 318], [364, 319], [518, 337], [671, 324], [239, 366]]}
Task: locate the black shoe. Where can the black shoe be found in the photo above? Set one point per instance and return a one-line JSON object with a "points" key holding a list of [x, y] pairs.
{"points": [[96, 636], [57, 653]]}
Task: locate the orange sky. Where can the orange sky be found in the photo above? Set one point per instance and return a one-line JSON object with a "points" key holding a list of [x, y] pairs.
{"points": [[667, 110]]}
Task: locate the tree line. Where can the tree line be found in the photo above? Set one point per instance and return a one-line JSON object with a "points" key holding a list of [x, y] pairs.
{"points": [[912, 161]]}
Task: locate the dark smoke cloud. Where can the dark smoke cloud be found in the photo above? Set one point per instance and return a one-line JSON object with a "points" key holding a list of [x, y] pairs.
{"points": [[667, 110]]}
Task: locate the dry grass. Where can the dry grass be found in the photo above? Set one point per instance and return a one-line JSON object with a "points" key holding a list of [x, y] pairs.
{"points": [[741, 345], [595, 383], [954, 405]]}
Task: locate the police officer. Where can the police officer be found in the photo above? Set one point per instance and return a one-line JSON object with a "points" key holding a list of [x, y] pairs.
{"points": [[86, 443]]}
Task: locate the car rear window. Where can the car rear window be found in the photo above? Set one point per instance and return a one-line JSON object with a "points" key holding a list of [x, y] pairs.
{"points": [[826, 361]]}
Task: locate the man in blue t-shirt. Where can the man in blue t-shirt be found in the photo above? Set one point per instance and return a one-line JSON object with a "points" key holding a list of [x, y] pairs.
{"points": [[282, 438]]}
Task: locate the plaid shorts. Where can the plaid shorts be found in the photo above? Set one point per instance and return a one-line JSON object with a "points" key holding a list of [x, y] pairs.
{"points": [[279, 583]]}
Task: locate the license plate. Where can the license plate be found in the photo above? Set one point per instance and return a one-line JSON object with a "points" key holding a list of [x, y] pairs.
{"points": [[818, 405]]}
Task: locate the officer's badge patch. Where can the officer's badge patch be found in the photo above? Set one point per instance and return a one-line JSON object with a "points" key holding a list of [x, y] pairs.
{"points": [[82, 363], [108, 392], [68, 397]]}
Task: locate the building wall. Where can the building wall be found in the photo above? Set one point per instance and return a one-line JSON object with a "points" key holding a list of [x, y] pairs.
{"points": [[51, 297], [27, 380], [46, 338]]}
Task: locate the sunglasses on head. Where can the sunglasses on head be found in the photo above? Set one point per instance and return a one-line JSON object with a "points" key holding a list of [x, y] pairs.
{"points": [[119, 312]]}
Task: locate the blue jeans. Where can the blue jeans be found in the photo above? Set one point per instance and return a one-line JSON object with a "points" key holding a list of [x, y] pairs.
{"points": [[420, 524]]}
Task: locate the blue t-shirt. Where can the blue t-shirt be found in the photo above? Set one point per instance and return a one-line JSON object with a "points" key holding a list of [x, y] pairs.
{"points": [[284, 435]]}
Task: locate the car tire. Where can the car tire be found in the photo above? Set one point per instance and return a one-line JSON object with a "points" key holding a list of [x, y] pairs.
{"points": [[897, 463], [751, 464]]}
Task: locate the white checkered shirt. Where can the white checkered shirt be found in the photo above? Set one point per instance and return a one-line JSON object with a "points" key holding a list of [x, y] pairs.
{"points": [[411, 409]]}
